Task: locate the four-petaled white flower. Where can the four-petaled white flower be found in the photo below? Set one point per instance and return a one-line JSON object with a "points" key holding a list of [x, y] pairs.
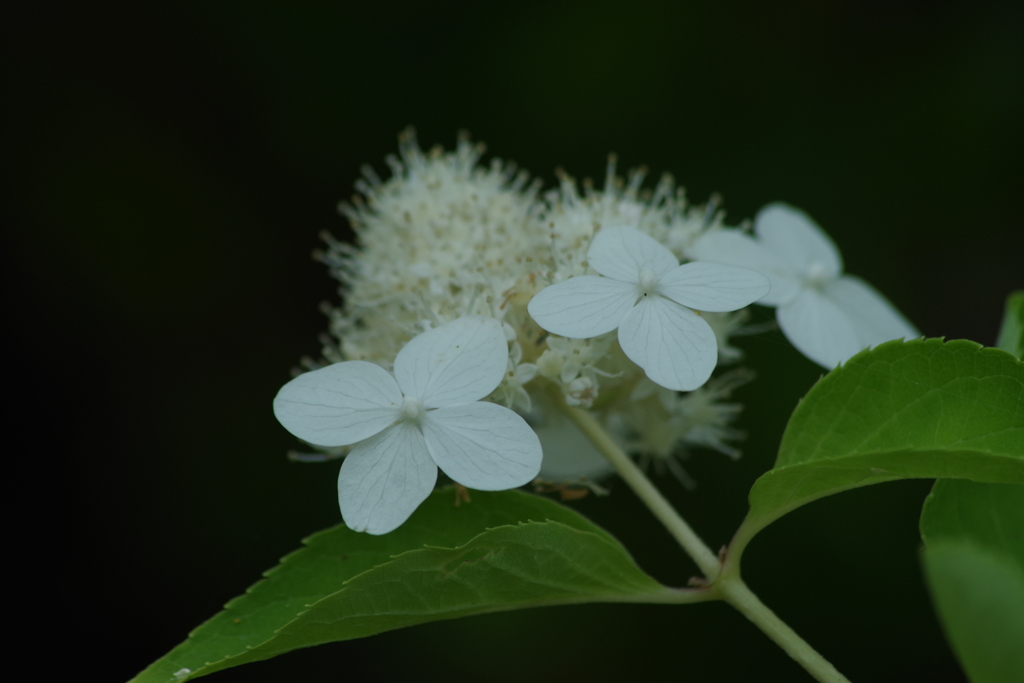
{"points": [[428, 415], [648, 296], [826, 315]]}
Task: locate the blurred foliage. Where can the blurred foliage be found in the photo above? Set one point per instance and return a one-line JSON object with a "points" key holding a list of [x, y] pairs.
{"points": [[974, 563], [171, 165]]}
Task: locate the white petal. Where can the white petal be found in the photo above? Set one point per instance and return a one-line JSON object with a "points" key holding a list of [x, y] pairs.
{"points": [[675, 346], [621, 253], [483, 446], [873, 317], [736, 248], [583, 307], [385, 478], [458, 362], [340, 404], [819, 329], [713, 286], [568, 455], [797, 240]]}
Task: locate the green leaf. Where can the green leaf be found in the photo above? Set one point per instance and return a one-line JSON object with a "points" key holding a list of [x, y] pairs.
{"points": [[447, 561], [974, 563], [904, 409], [1011, 334], [989, 515]]}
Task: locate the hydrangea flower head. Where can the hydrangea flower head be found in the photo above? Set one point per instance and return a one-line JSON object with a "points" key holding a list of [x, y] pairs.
{"points": [[826, 315], [427, 415], [653, 301], [448, 235]]}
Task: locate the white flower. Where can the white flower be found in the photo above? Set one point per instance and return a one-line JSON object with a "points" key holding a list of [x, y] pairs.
{"points": [[428, 415], [648, 296], [826, 315], [511, 391]]}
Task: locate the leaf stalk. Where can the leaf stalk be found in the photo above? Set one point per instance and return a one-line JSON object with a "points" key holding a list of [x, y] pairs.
{"points": [[729, 588]]}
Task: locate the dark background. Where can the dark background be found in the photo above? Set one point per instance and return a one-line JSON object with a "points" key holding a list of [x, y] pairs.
{"points": [[173, 164]]}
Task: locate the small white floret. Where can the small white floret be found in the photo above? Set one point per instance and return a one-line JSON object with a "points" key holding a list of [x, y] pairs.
{"points": [[404, 427], [652, 300], [826, 315]]}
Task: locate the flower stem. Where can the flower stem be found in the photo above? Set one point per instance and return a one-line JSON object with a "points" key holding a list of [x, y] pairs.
{"points": [[645, 490], [736, 593], [729, 588]]}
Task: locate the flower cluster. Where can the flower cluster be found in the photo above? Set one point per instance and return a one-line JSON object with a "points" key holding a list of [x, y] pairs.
{"points": [[612, 300]]}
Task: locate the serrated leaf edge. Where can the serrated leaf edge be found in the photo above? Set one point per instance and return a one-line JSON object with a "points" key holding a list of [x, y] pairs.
{"points": [[609, 541]]}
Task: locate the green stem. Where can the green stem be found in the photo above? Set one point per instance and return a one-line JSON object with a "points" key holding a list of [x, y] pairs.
{"points": [[729, 588], [645, 490], [736, 593]]}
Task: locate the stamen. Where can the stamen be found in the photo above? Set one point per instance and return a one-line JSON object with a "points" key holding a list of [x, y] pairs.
{"points": [[817, 274], [412, 410]]}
